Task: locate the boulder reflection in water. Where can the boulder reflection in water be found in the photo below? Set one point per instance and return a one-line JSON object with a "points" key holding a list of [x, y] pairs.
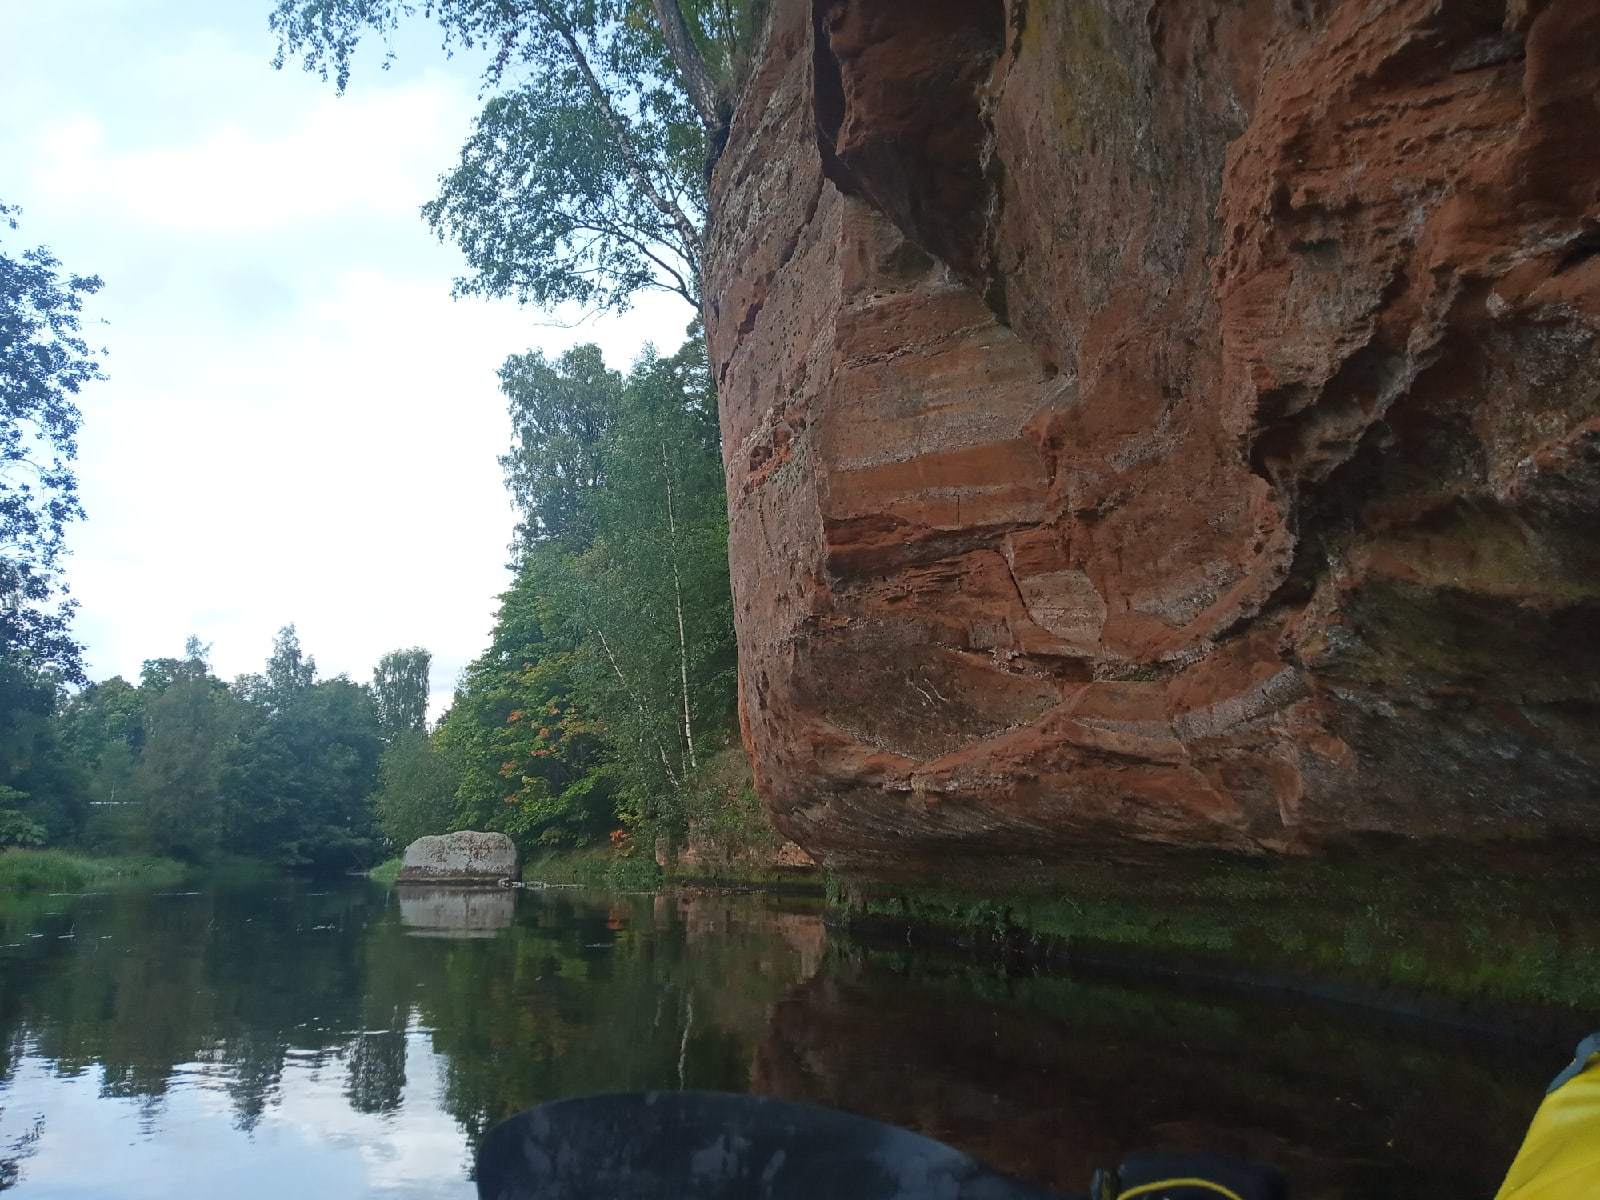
{"points": [[446, 912]]}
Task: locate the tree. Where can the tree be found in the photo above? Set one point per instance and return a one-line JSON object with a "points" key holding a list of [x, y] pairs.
{"points": [[102, 732], [190, 727], [289, 671], [584, 178], [17, 829], [37, 776], [416, 789], [532, 762], [299, 780], [561, 415], [612, 664], [44, 363], [400, 691], [650, 597]]}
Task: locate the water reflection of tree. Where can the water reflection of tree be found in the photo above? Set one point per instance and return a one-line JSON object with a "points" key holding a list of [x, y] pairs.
{"points": [[149, 984], [377, 1071], [577, 996], [580, 998]]}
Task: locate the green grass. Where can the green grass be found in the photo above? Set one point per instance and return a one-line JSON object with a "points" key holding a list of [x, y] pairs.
{"points": [[386, 871], [1460, 932], [65, 871], [603, 867]]}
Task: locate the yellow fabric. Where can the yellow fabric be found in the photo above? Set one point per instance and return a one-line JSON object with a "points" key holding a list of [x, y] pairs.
{"points": [[1560, 1157]]}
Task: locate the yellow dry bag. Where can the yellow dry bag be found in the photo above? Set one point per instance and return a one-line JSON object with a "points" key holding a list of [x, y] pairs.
{"points": [[1560, 1157]]}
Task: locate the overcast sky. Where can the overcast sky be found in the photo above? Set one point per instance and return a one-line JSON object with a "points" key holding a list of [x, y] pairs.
{"points": [[300, 424]]}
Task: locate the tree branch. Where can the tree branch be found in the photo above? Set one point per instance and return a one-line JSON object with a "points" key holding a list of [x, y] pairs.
{"points": [[691, 66], [619, 130]]}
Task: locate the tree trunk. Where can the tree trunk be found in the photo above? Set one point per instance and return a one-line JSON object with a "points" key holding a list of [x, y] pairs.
{"points": [[691, 66], [631, 157], [677, 591], [638, 702]]}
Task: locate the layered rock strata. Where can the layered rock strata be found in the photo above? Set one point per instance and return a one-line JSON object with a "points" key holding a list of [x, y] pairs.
{"points": [[1170, 422]]}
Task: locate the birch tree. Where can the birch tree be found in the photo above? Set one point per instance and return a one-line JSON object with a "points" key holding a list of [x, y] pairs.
{"points": [[611, 676], [583, 178], [400, 691]]}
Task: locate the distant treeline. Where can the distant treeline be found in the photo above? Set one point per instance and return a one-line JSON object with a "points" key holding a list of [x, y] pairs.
{"points": [[279, 766], [608, 684]]}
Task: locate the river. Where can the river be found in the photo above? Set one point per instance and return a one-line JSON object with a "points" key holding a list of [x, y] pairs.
{"points": [[338, 1040]]}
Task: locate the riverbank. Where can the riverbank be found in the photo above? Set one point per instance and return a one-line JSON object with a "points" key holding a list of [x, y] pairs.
{"points": [[1401, 930], [1398, 929], [387, 871], [66, 871], [619, 869]]}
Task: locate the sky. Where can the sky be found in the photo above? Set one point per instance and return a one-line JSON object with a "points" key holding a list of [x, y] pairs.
{"points": [[300, 425]]}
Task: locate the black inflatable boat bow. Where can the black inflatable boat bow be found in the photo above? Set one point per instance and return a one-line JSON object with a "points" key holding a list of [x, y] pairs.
{"points": [[715, 1146]]}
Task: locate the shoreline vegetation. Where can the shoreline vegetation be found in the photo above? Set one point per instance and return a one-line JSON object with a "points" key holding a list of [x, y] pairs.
{"points": [[1515, 942], [1439, 940], [24, 870], [67, 871], [1436, 938], [387, 871]]}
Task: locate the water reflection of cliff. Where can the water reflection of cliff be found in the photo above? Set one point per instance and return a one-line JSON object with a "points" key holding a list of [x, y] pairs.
{"points": [[1049, 1078], [570, 995]]}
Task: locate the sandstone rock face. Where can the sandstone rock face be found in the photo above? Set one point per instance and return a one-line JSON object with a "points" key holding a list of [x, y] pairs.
{"points": [[1169, 422], [461, 858]]}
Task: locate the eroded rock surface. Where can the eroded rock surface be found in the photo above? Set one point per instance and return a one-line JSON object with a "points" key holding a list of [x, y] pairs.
{"points": [[1169, 422], [462, 858]]}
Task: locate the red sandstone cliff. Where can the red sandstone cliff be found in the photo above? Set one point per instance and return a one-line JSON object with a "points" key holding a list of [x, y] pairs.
{"points": [[1171, 422]]}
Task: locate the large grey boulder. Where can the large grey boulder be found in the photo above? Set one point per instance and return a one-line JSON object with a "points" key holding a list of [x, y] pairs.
{"points": [[460, 858]]}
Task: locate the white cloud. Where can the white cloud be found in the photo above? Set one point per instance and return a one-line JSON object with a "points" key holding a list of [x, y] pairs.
{"points": [[308, 1143], [300, 425], [373, 154]]}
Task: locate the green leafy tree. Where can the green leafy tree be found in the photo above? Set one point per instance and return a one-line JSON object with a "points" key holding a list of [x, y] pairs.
{"points": [[16, 828], [416, 789], [561, 416], [103, 719], [650, 598], [584, 177], [290, 672], [102, 731], [44, 363], [532, 762], [42, 781], [190, 726], [299, 780], [400, 691], [611, 673]]}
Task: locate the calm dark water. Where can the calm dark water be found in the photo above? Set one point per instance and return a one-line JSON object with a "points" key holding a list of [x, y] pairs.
{"points": [[333, 1040]]}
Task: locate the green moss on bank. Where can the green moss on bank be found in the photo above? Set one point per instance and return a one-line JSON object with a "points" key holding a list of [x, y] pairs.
{"points": [[1464, 934], [624, 869], [64, 871], [387, 871]]}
